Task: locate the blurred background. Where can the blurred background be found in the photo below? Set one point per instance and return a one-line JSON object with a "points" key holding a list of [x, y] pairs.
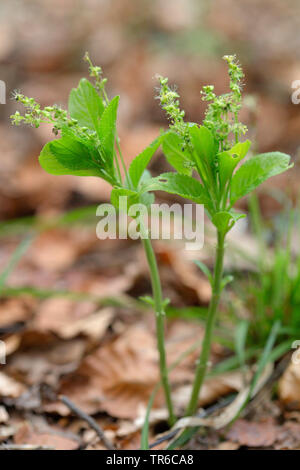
{"points": [[42, 44]]}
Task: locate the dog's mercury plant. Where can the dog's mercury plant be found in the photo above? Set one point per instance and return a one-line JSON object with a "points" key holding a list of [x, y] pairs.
{"points": [[212, 152], [89, 146], [205, 158]]}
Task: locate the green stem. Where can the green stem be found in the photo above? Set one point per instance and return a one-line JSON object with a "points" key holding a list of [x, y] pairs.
{"points": [[206, 345], [159, 315]]}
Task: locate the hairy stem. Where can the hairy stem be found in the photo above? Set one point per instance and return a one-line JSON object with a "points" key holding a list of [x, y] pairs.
{"points": [[159, 315], [206, 345]]}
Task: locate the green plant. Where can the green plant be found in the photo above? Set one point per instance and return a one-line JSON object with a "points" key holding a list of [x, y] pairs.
{"points": [[212, 152], [205, 158], [89, 146]]}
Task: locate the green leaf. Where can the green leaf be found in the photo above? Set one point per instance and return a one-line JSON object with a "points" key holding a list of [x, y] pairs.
{"points": [[132, 197], [240, 339], [14, 260], [67, 156], [146, 198], [229, 160], [204, 143], [256, 170], [225, 220], [107, 130], [147, 300], [139, 164], [85, 105], [145, 429], [172, 145], [266, 355], [265, 358], [226, 280], [205, 270], [183, 185]]}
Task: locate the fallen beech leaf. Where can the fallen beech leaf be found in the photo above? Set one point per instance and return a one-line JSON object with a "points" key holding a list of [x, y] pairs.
{"points": [[14, 311], [9, 387], [12, 343], [230, 412], [94, 326], [54, 251], [228, 445], [6, 432], [69, 319], [289, 387], [94, 188], [55, 360], [119, 377], [27, 435], [253, 434], [288, 436], [212, 389], [186, 273], [116, 378], [266, 434], [4, 417], [182, 336]]}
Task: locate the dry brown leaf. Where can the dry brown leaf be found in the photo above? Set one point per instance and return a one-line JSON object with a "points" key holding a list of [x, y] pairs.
{"points": [[9, 387], [93, 327], [27, 435], [116, 378], [181, 337], [94, 188], [186, 274], [212, 389], [288, 436], [119, 377], [54, 251], [6, 432], [69, 319], [14, 311], [12, 343], [47, 365], [105, 286], [253, 434], [228, 445], [289, 387], [265, 434], [4, 417], [221, 420]]}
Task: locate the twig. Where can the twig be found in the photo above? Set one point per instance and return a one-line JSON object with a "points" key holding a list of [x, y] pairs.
{"points": [[91, 422], [278, 371], [203, 413], [219, 405]]}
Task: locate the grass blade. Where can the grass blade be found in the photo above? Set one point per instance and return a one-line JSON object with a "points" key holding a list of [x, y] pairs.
{"points": [[15, 258]]}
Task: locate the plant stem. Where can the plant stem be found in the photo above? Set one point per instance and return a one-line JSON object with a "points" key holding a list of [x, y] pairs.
{"points": [[206, 345], [159, 316]]}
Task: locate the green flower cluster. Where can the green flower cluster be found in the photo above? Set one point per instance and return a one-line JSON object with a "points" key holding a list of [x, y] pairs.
{"points": [[96, 73], [221, 117], [169, 100], [35, 115]]}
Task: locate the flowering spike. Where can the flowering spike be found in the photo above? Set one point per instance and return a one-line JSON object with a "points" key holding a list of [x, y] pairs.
{"points": [[169, 100], [221, 116]]}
